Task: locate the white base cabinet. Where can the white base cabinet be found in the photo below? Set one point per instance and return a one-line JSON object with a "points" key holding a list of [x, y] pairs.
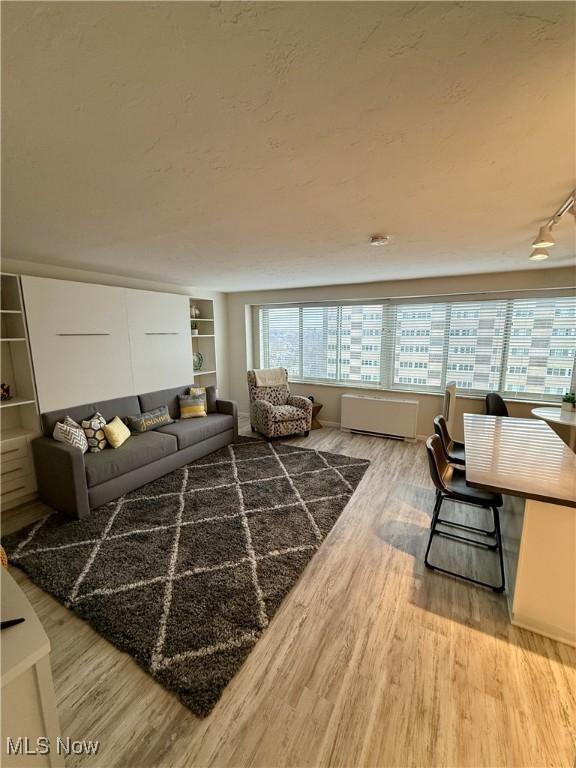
{"points": [[30, 728]]}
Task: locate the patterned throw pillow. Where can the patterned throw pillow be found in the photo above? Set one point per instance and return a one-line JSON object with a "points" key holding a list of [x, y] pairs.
{"points": [[68, 431], [194, 404], [94, 433], [116, 432], [158, 417]]}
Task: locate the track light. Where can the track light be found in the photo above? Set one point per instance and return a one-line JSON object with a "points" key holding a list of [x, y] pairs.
{"points": [[539, 254], [544, 238]]}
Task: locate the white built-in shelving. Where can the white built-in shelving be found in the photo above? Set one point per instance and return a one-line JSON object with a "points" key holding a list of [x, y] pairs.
{"points": [[204, 341], [19, 418]]}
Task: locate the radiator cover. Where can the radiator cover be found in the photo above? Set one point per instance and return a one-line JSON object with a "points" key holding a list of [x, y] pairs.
{"points": [[379, 415]]}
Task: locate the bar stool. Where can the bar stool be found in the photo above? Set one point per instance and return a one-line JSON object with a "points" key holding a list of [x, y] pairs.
{"points": [[454, 450], [450, 483], [495, 406]]}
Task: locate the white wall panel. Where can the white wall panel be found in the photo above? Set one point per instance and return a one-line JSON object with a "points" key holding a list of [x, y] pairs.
{"points": [[160, 340], [96, 342], [79, 341]]}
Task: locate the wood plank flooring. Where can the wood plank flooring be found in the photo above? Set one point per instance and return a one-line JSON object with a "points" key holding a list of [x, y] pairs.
{"points": [[370, 661]]}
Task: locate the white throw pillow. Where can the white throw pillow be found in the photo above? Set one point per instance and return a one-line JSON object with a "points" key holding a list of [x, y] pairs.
{"points": [[68, 431]]}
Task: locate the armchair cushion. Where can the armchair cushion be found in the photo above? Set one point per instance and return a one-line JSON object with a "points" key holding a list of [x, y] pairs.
{"points": [[287, 413]]}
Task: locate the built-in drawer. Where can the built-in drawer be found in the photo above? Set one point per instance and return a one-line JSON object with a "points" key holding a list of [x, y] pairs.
{"points": [[12, 486], [17, 448], [15, 468]]}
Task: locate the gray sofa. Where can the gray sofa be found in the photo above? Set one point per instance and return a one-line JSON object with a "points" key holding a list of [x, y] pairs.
{"points": [[75, 483]]}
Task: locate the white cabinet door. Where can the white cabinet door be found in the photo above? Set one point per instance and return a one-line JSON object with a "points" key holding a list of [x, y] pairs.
{"points": [[79, 341], [160, 339]]}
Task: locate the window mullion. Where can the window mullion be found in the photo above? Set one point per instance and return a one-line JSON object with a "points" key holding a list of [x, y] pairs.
{"points": [[338, 341], [301, 343], [386, 347], [445, 345], [504, 354]]}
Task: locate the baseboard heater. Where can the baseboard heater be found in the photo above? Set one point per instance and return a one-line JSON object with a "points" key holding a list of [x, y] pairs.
{"points": [[379, 416]]}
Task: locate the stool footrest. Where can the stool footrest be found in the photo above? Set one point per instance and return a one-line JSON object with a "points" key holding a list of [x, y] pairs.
{"points": [[464, 527]]}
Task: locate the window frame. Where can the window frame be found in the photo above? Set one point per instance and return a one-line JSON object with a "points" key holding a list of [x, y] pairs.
{"points": [[390, 311]]}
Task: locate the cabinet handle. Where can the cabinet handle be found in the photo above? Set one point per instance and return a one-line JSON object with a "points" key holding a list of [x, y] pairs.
{"points": [[161, 333], [82, 334]]}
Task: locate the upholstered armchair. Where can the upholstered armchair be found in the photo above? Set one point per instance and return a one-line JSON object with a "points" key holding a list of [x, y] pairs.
{"points": [[274, 412]]}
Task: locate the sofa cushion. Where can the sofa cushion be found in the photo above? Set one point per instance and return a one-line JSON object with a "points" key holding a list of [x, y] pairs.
{"points": [[137, 451], [120, 406], [192, 431]]}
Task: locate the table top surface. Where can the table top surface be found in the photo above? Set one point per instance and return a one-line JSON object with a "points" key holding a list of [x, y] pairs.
{"points": [[519, 457], [23, 644], [556, 415]]}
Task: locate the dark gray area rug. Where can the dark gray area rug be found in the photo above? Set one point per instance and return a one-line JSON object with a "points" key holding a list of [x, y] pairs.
{"points": [[185, 573]]}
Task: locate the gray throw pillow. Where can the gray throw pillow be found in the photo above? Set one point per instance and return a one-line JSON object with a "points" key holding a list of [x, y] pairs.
{"points": [[158, 417], [211, 397]]}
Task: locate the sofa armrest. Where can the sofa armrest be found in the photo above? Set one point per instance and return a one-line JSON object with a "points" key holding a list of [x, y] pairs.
{"points": [[300, 402], [61, 476], [231, 408]]}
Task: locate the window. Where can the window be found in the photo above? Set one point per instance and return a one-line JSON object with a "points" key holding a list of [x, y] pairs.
{"points": [[508, 345]]}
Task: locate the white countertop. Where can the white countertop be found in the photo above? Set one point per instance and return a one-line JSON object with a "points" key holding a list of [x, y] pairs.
{"points": [[23, 644], [519, 457], [556, 415]]}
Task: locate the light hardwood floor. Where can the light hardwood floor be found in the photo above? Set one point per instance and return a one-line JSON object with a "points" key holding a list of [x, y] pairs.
{"points": [[370, 661]]}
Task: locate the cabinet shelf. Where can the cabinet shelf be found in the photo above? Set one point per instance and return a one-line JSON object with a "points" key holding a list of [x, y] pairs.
{"points": [[17, 401], [204, 336], [203, 319], [11, 311], [11, 433], [14, 338], [203, 373]]}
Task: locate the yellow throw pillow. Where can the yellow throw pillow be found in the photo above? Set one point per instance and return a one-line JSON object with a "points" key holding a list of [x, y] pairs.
{"points": [[193, 404], [116, 432]]}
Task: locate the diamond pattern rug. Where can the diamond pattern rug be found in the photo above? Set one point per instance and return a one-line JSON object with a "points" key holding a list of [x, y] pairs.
{"points": [[185, 573]]}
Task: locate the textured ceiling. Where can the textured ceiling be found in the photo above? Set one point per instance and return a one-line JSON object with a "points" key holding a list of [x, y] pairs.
{"points": [[240, 145]]}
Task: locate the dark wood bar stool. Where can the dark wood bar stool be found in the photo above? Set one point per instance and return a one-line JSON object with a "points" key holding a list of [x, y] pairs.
{"points": [[450, 483], [454, 450]]}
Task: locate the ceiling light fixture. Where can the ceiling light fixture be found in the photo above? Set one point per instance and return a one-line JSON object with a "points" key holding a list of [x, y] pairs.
{"points": [[539, 254], [378, 240], [545, 238]]}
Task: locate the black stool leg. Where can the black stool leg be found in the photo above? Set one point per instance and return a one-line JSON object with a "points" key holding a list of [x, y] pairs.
{"points": [[436, 521], [435, 515], [496, 514]]}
